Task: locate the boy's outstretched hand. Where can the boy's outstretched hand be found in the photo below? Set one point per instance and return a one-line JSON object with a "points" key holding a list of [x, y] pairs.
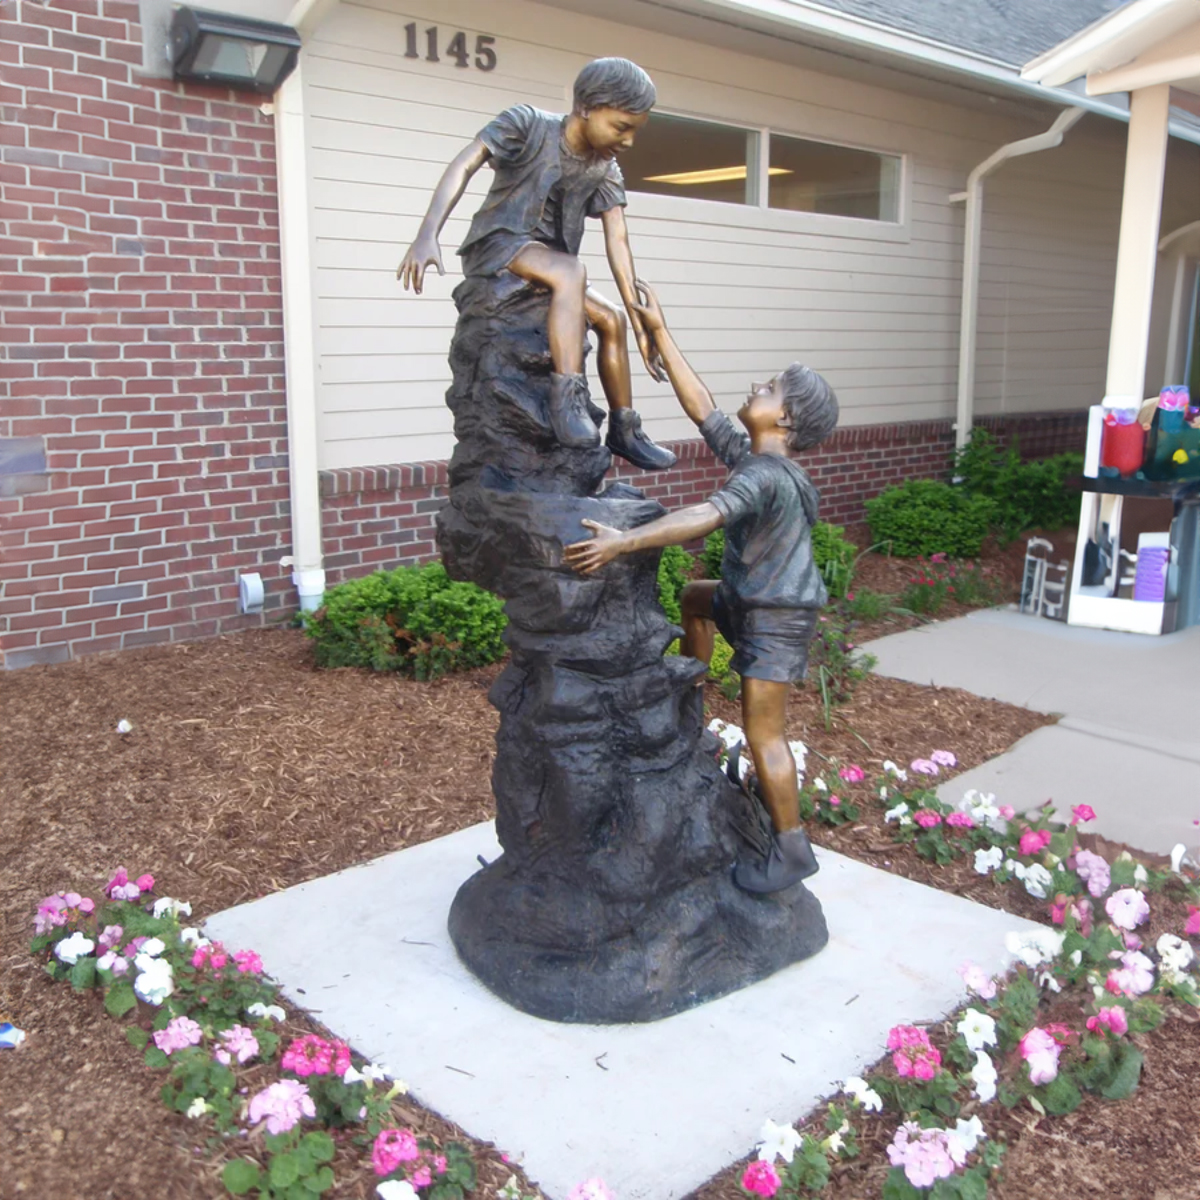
{"points": [[649, 310], [602, 547], [643, 333], [424, 252]]}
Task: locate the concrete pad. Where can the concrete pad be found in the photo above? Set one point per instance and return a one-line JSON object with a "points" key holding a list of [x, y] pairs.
{"points": [[653, 1109], [1134, 684], [1142, 795]]}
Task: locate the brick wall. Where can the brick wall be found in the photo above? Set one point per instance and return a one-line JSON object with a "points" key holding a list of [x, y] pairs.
{"points": [[382, 516], [142, 335]]}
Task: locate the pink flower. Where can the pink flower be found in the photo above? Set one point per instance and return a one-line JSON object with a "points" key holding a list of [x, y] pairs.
{"points": [[179, 1033], [1192, 928], [1007, 811], [926, 1155], [145, 883], [1094, 872], [281, 1105], [1127, 907], [960, 820], [1132, 941], [248, 963], [421, 1177], [759, 1177], [1040, 1049], [51, 914], [944, 758], [924, 766], [439, 1163], [111, 937], [312, 1055], [86, 906], [239, 1042], [112, 961], [1081, 813], [1034, 841], [1134, 977], [214, 956], [393, 1147], [120, 888], [835, 801], [913, 1055], [927, 818], [1111, 1020], [978, 981], [852, 773]]}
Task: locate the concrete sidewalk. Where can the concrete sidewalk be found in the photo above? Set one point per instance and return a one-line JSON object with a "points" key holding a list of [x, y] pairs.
{"points": [[1128, 738]]}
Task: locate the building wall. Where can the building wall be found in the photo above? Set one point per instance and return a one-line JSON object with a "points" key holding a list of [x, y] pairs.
{"points": [[142, 334]]}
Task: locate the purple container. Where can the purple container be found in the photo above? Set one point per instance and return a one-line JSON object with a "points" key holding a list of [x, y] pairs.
{"points": [[1150, 580]]}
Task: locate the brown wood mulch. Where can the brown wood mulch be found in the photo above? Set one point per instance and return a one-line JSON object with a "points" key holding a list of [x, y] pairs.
{"points": [[248, 771]]}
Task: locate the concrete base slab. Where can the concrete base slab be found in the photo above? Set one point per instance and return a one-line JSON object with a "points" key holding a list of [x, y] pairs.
{"points": [[653, 1109], [1154, 796]]}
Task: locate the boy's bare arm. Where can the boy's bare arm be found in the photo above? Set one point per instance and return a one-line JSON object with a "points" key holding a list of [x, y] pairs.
{"points": [[620, 259], [425, 251], [694, 397], [672, 530]]}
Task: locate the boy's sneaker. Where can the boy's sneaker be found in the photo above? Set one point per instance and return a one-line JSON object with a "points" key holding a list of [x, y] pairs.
{"points": [[625, 437], [568, 412], [789, 860]]}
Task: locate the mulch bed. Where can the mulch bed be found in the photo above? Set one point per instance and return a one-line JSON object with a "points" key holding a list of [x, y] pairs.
{"points": [[249, 771]]}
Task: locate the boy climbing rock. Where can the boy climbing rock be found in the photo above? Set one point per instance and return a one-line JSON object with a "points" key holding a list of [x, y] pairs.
{"points": [[770, 591], [552, 172]]}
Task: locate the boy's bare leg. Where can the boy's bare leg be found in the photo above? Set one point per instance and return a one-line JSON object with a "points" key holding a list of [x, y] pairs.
{"points": [[566, 277], [764, 712], [699, 629]]}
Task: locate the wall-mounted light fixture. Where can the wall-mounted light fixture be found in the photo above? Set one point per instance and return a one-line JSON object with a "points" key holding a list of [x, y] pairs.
{"points": [[237, 52]]}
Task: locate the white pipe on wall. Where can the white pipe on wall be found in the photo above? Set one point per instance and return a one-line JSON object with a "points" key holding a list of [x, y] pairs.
{"points": [[969, 319]]}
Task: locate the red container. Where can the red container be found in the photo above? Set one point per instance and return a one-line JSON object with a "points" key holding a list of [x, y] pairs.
{"points": [[1122, 447]]}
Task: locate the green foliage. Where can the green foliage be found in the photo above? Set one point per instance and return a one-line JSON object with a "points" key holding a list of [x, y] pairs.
{"points": [[923, 516], [839, 665], [809, 1169], [834, 557], [712, 554], [674, 570], [415, 620], [1024, 495], [863, 604], [939, 581], [720, 670]]}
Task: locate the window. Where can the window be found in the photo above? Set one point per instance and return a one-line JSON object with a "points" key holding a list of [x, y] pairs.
{"points": [[678, 156], [818, 177], [705, 160]]}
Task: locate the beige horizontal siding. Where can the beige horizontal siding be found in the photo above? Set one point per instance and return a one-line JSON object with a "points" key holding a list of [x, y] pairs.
{"points": [[874, 307]]}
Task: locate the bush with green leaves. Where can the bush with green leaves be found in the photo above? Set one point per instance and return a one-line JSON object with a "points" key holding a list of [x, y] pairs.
{"points": [[926, 517], [415, 620], [1025, 495], [674, 570]]}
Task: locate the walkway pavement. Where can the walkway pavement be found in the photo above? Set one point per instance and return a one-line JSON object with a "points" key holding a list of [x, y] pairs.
{"points": [[1128, 738]]}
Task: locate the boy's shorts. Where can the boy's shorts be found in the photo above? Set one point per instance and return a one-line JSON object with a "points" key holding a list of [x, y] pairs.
{"points": [[768, 643]]}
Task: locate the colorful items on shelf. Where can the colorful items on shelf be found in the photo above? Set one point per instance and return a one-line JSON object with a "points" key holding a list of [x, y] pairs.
{"points": [[1123, 442]]}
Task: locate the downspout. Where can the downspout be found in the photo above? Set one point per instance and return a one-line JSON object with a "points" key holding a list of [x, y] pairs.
{"points": [[969, 320]]}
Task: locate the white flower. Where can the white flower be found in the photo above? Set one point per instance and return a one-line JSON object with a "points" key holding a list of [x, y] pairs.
{"points": [[174, 908], [353, 1076], [1034, 946], [820, 784], [191, 937], [835, 1143], [71, 950], [983, 1075], [1045, 979], [397, 1189], [858, 1089], [882, 793], [124, 726], [198, 1107], [982, 809], [987, 861], [1015, 867], [1178, 854], [1037, 880], [373, 1073], [156, 981], [1139, 875], [266, 1011], [978, 1029], [899, 813], [511, 1190], [899, 772], [777, 1141], [1175, 956], [799, 753], [1076, 957], [151, 948], [968, 1133], [730, 735]]}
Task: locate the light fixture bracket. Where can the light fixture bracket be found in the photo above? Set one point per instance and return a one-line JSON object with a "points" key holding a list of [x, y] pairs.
{"points": [[230, 51]]}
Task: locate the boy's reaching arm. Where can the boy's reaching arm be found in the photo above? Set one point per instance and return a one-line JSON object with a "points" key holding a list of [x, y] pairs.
{"points": [[425, 251], [695, 398], [620, 259], [675, 528]]}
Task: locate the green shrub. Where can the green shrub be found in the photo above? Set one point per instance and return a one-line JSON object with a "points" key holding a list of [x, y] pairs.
{"points": [[674, 570], [864, 604], [1025, 495], [712, 554], [415, 620], [833, 555], [925, 517], [939, 581]]}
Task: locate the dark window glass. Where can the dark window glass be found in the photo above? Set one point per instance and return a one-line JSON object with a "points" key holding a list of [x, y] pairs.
{"points": [[817, 177], [678, 156]]}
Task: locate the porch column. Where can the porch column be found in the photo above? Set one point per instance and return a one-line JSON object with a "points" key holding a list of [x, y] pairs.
{"points": [[1137, 250]]}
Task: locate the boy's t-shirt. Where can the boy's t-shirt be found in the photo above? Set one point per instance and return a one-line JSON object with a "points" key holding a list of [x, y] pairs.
{"points": [[769, 505], [542, 192]]}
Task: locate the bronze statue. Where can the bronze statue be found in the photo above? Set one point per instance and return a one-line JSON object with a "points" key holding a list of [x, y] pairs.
{"points": [[552, 172], [767, 600]]}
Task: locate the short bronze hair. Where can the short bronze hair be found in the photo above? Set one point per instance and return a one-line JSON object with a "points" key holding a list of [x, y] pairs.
{"points": [[614, 83], [811, 406]]}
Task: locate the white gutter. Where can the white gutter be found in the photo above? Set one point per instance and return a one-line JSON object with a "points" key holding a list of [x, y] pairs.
{"points": [[299, 340], [969, 320]]}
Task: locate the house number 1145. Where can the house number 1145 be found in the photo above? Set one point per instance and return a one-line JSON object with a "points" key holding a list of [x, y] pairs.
{"points": [[456, 47]]}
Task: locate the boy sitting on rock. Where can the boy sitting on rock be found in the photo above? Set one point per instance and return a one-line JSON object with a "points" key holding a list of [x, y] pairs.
{"points": [[552, 172], [770, 591]]}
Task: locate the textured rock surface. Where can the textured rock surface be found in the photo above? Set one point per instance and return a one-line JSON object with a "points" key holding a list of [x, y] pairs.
{"points": [[613, 900]]}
